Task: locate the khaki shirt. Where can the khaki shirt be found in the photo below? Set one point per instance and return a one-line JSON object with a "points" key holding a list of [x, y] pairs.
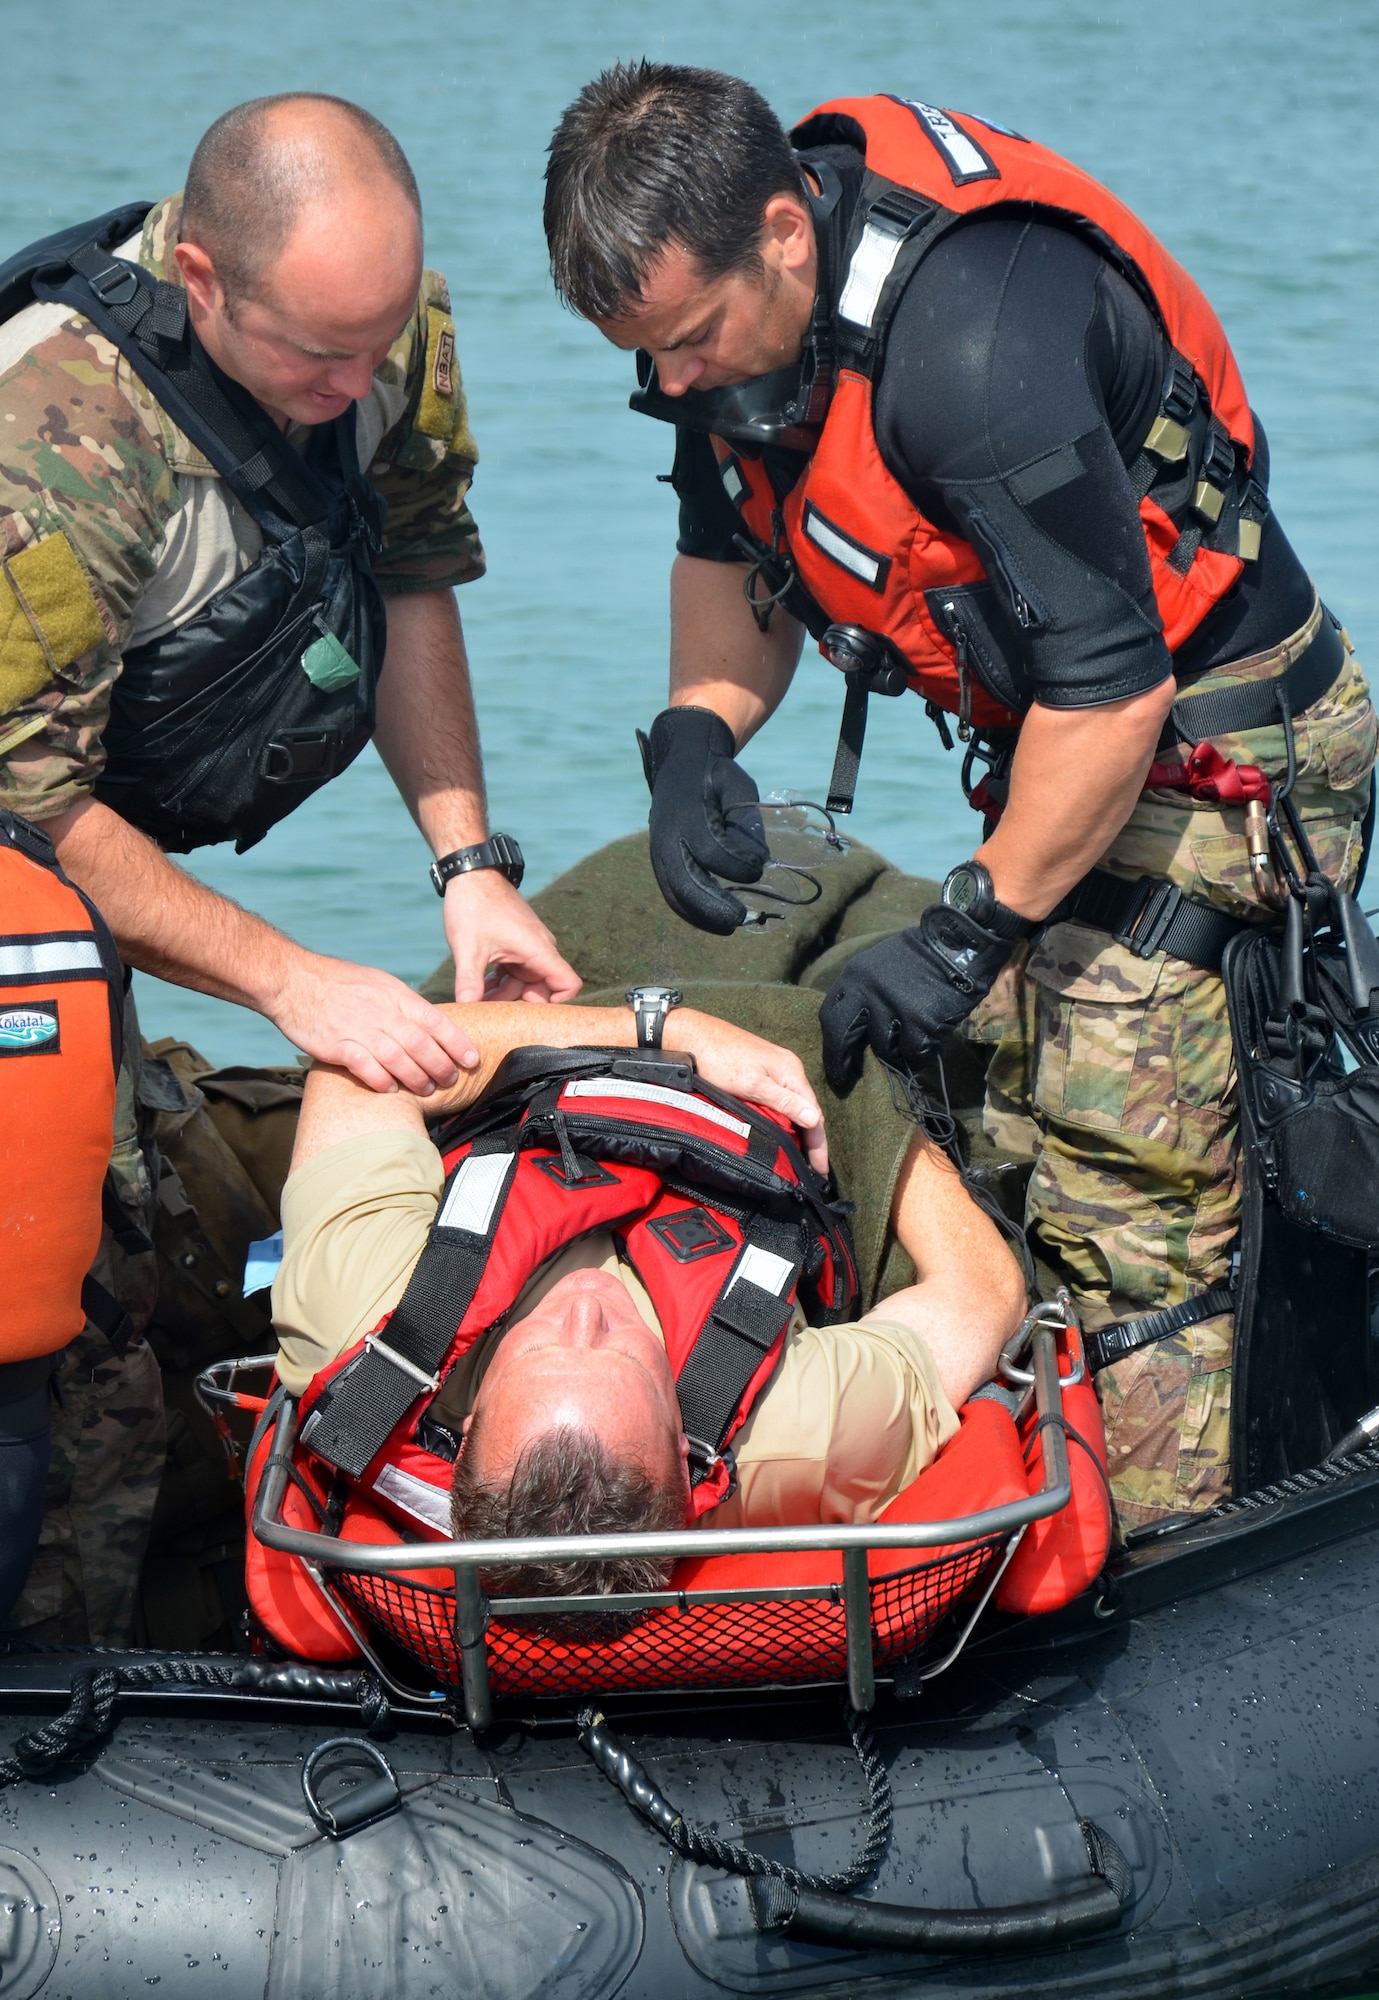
{"points": [[114, 527], [852, 1414]]}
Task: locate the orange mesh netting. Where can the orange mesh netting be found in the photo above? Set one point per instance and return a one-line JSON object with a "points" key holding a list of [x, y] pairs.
{"points": [[768, 1642]]}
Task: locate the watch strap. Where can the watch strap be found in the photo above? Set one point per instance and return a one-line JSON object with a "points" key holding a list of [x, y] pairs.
{"points": [[499, 851], [650, 1005]]}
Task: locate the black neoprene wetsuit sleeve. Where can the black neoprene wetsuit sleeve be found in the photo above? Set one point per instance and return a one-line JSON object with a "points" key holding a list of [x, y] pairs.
{"points": [[1021, 374]]}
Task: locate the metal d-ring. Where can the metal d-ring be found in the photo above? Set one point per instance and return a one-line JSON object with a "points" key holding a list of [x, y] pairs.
{"points": [[367, 1803]]}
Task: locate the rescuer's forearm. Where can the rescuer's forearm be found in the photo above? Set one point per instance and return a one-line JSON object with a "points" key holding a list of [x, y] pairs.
{"points": [[165, 921], [1074, 782], [718, 657], [428, 735]]}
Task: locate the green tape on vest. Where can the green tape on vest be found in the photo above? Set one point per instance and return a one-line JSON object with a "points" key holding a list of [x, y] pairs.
{"points": [[327, 665]]}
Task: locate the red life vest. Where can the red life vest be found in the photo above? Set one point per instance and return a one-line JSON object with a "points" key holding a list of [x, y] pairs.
{"points": [[61, 1012], [710, 1202], [859, 545], [701, 1191]]}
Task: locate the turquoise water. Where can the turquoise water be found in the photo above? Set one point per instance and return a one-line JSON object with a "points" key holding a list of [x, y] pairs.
{"points": [[1243, 133]]}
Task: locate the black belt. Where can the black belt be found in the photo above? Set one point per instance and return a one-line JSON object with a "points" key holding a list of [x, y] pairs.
{"points": [[1126, 1336], [1231, 710], [1151, 915]]}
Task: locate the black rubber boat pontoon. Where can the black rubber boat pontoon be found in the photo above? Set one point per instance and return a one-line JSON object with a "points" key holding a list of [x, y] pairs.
{"points": [[1169, 1788]]}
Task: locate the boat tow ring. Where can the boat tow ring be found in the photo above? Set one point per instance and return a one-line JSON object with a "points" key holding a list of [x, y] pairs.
{"points": [[360, 1805]]}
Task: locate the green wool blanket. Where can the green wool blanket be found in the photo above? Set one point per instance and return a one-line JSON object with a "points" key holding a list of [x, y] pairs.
{"points": [[613, 925]]}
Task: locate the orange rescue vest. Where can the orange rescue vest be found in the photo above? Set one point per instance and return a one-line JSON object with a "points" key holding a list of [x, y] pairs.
{"points": [[61, 1005], [858, 544]]}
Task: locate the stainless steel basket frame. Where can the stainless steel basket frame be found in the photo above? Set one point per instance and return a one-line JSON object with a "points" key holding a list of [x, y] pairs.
{"points": [[320, 1552]]}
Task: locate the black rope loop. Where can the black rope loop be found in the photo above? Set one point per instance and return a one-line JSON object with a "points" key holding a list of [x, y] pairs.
{"points": [[90, 1708], [698, 1843]]}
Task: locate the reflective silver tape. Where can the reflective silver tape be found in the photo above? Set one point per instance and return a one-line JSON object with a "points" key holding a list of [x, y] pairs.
{"points": [[872, 263], [763, 1268], [415, 1497], [474, 1193], [835, 543], [656, 1093], [34, 959]]}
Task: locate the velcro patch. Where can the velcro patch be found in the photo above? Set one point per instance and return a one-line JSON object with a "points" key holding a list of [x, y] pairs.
{"points": [[436, 412], [48, 617], [31, 1030]]}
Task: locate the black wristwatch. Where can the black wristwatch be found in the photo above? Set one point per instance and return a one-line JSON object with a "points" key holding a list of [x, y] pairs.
{"points": [[500, 851], [650, 1005], [969, 889]]}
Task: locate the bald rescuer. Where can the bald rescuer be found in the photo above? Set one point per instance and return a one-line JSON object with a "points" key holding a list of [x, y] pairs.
{"points": [[234, 466], [943, 402], [234, 460]]}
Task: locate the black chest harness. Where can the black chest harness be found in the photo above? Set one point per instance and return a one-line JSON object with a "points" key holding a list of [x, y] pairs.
{"points": [[224, 725]]}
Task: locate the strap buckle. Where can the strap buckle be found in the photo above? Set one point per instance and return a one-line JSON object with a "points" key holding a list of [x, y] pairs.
{"points": [[115, 285], [1217, 473], [375, 1344], [297, 754], [1168, 434], [1146, 928]]}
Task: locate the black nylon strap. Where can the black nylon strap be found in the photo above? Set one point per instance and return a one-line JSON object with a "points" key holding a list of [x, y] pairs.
{"points": [[352, 1419], [1228, 711], [106, 1313], [1151, 915], [744, 1324], [221, 419], [1127, 1336], [847, 758]]}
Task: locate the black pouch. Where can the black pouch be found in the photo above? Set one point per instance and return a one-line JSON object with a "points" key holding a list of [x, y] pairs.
{"points": [[1305, 1026]]}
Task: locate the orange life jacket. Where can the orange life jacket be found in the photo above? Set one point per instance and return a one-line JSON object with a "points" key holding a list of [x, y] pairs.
{"points": [[859, 545], [61, 1007]]}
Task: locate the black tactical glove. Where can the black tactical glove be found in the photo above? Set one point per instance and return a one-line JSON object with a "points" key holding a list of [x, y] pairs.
{"points": [[689, 766], [904, 994]]}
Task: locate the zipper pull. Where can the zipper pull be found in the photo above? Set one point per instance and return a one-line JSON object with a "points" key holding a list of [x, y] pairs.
{"points": [[959, 636]]}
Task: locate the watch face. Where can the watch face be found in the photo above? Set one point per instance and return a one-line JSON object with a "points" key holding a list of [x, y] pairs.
{"points": [[962, 889]]}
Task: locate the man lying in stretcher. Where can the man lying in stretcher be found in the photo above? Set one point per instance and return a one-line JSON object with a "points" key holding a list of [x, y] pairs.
{"points": [[568, 1410]]}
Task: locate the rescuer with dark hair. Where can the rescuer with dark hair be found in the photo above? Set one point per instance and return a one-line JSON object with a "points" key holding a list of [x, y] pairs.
{"points": [[942, 402]]}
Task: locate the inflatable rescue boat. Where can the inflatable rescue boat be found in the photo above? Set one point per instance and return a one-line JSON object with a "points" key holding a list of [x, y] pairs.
{"points": [[963, 1750]]}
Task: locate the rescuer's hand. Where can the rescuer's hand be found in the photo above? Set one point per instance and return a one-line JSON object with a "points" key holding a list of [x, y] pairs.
{"points": [[502, 949], [368, 1023], [904, 994], [694, 782]]}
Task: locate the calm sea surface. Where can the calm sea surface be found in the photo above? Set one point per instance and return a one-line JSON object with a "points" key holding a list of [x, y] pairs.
{"points": [[1244, 132]]}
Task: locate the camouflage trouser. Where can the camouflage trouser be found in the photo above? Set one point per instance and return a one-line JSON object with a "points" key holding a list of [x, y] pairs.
{"points": [[108, 1432], [1116, 1073]]}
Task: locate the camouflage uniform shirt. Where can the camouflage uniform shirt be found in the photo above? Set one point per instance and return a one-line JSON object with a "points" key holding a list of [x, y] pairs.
{"points": [[114, 528]]}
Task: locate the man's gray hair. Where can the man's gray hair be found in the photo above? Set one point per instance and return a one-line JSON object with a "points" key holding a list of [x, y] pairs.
{"points": [[251, 176], [566, 1483]]}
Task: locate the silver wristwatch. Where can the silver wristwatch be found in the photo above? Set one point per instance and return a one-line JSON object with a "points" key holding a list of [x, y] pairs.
{"points": [[650, 1005]]}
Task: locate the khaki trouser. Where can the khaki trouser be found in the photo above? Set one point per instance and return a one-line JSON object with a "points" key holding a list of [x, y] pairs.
{"points": [[1115, 1072]]}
